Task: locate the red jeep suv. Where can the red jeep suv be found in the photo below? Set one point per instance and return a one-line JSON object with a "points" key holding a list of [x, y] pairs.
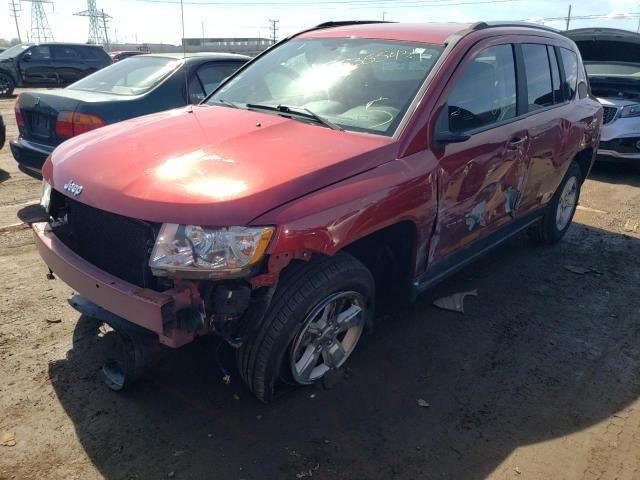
{"points": [[348, 160]]}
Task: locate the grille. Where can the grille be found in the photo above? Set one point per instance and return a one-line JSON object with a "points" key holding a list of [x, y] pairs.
{"points": [[116, 244], [609, 114]]}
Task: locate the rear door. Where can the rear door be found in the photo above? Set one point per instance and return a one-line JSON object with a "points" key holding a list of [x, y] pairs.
{"points": [[68, 62], [36, 67], [482, 175], [548, 105]]}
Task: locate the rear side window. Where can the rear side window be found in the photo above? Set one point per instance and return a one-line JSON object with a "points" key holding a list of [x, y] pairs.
{"points": [[555, 75], [486, 92], [66, 52], [538, 74], [570, 65]]}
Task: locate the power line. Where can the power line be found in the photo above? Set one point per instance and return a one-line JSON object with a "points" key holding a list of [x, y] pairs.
{"points": [[14, 13], [40, 30], [354, 4]]}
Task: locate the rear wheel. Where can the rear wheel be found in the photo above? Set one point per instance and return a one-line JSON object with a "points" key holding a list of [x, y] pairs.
{"points": [[7, 85], [559, 213], [315, 321]]}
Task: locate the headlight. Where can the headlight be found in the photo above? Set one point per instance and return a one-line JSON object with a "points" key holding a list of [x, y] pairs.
{"points": [[631, 111], [45, 195], [190, 251]]}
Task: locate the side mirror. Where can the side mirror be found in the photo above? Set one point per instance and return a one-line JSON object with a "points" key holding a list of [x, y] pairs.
{"points": [[442, 134], [583, 90], [444, 138], [26, 57]]}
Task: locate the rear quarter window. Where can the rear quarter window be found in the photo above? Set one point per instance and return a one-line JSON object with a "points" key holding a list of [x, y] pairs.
{"points": [[570, 66]]}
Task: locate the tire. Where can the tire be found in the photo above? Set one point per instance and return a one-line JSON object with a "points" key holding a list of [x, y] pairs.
{"points": [[305, 292], [7, 85], [559, 212]]}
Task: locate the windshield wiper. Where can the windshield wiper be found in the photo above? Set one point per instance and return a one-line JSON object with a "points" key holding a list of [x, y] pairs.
{"points": [[226, 103], [296, 111]]}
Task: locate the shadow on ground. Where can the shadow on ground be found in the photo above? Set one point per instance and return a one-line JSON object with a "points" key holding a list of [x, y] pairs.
{"points": [[4, 175], [539, 354]]}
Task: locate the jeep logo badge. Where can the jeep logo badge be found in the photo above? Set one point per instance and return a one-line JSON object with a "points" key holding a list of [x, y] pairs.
{"points": [[73, 188]]}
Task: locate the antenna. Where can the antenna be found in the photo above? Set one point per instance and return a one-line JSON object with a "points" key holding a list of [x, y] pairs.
{"points": [[40, 30], [184, 55], [97, 23]]}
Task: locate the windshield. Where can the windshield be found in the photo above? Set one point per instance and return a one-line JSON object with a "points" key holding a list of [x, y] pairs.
{"points": [[613, 69], [133, 76], [14, 51], [356, 84]]}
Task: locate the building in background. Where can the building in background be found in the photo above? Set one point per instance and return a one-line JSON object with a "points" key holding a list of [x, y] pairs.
{"points": [[245, 46]]}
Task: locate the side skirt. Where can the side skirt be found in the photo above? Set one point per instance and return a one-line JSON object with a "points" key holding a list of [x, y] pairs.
{"points": [[458, 260]]}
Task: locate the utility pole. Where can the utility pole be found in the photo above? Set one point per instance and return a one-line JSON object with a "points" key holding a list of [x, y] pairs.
{"points": [[274, 30], [14, 13], [384, 14], [202, 25], [569, 17], [40, 30]]}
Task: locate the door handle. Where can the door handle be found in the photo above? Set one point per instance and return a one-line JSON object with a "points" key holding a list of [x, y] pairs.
{"points": [[516, 142]]}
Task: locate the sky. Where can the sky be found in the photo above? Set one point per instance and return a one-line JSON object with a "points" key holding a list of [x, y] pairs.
{"points": [[158, 21]]}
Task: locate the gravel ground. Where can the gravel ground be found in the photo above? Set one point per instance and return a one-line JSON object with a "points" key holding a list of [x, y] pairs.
{"points": [[539, 379]]}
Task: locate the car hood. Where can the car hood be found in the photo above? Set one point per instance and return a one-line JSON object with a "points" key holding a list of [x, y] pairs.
{"points": [[209, 165]]}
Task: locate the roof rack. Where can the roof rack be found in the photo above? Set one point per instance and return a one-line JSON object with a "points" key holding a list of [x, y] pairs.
{"points": [[483, 25], [343, 23]]}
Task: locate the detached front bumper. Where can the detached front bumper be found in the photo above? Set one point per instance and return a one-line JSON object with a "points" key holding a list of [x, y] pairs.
{"points": [[30, 155], [152, 310]]}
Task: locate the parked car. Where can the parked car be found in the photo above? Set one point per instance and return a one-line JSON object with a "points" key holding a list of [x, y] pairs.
{"points": [[138, 86], [3, 132], [122, 54], [612, 60], [48, 65], [349, 159]]}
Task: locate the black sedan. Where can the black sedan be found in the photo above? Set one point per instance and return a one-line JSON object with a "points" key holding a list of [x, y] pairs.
{"points": [[130, 88]]}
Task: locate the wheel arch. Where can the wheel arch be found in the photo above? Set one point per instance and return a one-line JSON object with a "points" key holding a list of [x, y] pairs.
{"points": [[585, 158]]}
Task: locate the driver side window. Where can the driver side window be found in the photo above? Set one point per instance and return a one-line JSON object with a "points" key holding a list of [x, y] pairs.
{"points": [[485, 93]]}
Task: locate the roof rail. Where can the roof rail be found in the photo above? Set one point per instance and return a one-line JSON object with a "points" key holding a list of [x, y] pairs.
{"points": [[343, 23], [483, 25]]}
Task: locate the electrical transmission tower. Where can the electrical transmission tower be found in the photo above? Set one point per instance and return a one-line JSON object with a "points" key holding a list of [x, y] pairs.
{"points": [[97, 23], [15, 10], [40, 30], [274, 30]]}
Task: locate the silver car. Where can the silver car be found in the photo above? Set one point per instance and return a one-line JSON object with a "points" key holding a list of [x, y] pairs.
{"points": [[612, 60]]}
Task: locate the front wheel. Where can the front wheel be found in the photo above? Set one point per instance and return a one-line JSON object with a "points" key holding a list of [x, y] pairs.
{"points": [[7, 85], [314, 323], [559, 213]]}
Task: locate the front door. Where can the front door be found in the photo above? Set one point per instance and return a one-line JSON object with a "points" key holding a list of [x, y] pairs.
{"points": [[482, 175], [36, 67]]}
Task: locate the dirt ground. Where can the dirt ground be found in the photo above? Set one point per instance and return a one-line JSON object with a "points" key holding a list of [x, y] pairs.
{"points": [[539, 379]]}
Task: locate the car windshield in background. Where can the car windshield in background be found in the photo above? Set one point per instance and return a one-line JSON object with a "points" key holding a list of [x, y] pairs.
{"points": [[14, 51], [613, 69], [354, 84], [132, 76]]}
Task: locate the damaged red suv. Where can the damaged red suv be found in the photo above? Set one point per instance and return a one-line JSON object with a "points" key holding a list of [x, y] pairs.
{"points": [[351, 159]]}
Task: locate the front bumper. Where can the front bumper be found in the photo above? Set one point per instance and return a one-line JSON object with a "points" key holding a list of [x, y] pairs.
{"points": [[30, 155], [622, 150], [152, 310]]}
